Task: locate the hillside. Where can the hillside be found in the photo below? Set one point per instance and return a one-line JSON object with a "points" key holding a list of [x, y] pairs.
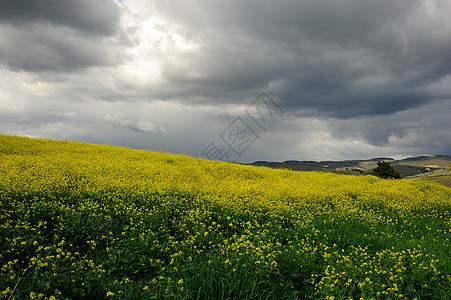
{"points": [[406, 167], [442, 176], [85, 221]]}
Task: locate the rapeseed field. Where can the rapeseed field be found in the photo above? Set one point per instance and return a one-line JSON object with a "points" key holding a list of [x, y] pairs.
{"points": [[85, 221]]}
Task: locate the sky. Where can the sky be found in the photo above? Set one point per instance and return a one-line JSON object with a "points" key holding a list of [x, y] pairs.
{"points": [[231, 80]]}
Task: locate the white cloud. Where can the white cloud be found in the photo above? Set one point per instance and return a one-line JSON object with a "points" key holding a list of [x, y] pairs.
{"points": [[355, 79], [141, 126]]}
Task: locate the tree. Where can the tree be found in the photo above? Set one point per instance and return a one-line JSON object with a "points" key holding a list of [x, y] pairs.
{"points": [[384, 170]]}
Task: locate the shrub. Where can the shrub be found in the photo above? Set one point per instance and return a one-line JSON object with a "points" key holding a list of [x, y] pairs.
{"points": [[384, 170]]}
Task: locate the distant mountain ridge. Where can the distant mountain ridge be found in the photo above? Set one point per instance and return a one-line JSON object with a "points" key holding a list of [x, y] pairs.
{"points": [[406, 167]]}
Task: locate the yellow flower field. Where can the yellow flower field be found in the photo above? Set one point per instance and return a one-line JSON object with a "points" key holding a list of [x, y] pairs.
{"points": [[85, 221]]}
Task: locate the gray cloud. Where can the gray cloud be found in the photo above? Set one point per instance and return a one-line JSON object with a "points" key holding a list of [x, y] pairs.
{"points": [[59, 36], [355, 78], [94, 17], [342, 58], [45, 48], [139, 126]]}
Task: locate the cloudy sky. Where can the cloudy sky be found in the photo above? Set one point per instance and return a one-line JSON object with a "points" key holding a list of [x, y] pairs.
{"points": [[343, 79]]}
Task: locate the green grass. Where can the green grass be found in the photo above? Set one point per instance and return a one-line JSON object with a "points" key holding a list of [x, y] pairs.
{"points": [[442, 177], [84, 221]]}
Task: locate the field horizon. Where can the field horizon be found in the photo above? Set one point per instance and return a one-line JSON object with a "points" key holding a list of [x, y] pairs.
{"points": [[81, 220]]}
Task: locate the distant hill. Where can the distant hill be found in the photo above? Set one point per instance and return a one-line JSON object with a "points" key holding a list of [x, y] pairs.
{"points": [[406, 167], [442, 176]]}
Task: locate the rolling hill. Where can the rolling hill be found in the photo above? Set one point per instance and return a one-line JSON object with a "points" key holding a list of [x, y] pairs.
{"points": [[442, 176], [86, 221], [406, 167]]}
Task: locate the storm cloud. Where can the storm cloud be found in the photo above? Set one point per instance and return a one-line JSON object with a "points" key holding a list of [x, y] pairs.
{"points": [[355, 79]]}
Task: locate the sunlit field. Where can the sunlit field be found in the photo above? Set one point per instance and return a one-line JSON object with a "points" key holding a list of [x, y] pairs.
{"points": [[84, 221]]}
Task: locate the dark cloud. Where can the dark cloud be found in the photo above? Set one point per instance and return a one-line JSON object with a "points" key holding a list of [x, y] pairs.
{"points": [[45, 48], [339, 57], [59, 36], [100, 17], [421, 127], [356, 78]]}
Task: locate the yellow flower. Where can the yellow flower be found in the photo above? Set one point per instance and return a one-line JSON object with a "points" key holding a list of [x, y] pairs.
{"points": [[109, 293], [180, 281]]}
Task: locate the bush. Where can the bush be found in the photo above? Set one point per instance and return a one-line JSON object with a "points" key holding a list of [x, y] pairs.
{"points": [[384, 170]]}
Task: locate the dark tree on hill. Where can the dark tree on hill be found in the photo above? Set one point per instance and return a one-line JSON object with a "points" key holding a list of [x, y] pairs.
{"points": [[384, 170]]}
